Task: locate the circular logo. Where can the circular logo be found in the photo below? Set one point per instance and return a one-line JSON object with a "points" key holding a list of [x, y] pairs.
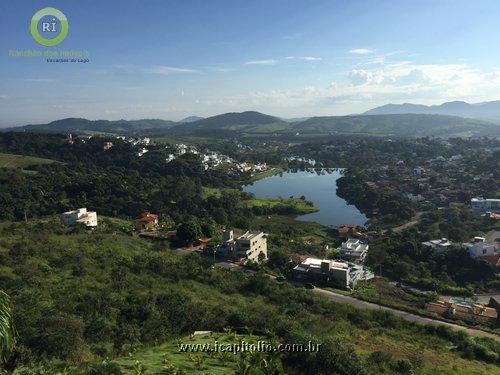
{"points": [[58, 29]]}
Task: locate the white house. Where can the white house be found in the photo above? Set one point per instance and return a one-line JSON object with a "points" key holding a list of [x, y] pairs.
{"points": [[81, 216], [478, 247], [249, 245], [142, 151], [481, 205], [342, 273], [353, 248], [440, 245]]}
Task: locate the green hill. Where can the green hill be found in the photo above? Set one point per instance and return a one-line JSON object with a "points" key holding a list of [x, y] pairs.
{"points": [[80, 125], [230, 123], [21, 161], [400, 125]]}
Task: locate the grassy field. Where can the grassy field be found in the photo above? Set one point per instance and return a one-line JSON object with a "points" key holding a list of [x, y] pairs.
{"points": [[298, 206], [214, 192], [169, 355], [294, 206], [290, 230], [21, 161]]}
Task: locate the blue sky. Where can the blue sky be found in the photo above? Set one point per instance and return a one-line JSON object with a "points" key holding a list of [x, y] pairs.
{"points": [[171, 59]]}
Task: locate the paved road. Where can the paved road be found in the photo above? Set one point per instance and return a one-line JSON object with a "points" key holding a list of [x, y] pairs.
{"points": [[403, 314], [337, 297]]}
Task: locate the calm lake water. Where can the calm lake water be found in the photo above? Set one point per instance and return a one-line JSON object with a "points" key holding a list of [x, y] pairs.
{"points": [[318, 187]]}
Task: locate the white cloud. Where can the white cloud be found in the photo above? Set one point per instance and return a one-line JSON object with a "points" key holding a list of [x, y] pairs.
{"points": [[361, 89], [40, 80], [306, 58], [262, 62], [360, 51], [166, 70]]}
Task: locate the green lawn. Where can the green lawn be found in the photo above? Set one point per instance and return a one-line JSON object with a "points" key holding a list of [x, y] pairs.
{"points": [[168, 355], [21, 161], [298, 206]]}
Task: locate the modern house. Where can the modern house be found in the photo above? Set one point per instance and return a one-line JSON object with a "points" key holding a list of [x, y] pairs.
{"points": [[439, 245], [478, 248], [80, 216], [146, 222], [353, 248], [481, 205], [343, 274], [248, 246]]}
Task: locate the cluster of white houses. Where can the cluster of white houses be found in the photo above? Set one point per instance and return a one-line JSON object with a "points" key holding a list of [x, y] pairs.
{"points": [[477, 248], [342, 273]]}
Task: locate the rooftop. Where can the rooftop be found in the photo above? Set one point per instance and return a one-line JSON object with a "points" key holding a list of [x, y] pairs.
{"points": [[147, 217], [250, 235]]}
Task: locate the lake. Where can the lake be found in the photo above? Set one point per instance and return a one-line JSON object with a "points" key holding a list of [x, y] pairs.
{"points": [[319, 187]]}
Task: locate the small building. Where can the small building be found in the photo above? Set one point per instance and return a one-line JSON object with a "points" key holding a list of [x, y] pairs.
{"points": [[346, 275], [142, 151], [353, 248], [146, 222], [481, 205], [478, 248], [80, 217], [439, 245], [464, 310], [251, 245], [107, 145]]}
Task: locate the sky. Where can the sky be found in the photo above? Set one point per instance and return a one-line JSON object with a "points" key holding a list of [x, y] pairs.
{"points": [[288, 58]]}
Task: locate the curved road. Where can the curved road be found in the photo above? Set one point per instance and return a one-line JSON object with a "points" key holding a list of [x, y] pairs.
{"points": [[403, 314], [337, 297]]}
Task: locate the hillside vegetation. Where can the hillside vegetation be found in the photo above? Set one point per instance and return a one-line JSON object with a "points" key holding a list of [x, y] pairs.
{"points": [[82, 296]]}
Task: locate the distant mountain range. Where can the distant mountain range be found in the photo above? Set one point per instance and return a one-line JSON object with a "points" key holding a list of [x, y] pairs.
{"points": [[486, 110], [253, 123], [80, 125]]}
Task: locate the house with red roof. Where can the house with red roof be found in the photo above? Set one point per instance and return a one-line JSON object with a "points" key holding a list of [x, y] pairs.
{"points": [[146, 222]]}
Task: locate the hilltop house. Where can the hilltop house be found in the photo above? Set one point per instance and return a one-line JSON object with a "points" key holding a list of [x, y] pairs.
{"points": [[478, 248], [440, 245], [251, 245], [80, 216], [344, 274], [146, 222], [353, 248]]}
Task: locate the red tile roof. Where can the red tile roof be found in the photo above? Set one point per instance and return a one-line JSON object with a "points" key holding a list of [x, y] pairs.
{"points": [[147, 217]]}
